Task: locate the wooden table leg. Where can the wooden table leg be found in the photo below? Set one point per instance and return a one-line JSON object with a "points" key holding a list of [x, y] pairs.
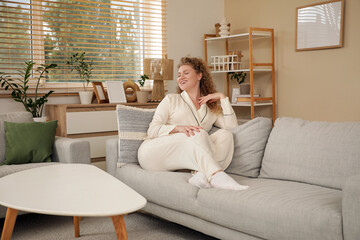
{"points": [[9, 223], [119, 225], [76, 226]]}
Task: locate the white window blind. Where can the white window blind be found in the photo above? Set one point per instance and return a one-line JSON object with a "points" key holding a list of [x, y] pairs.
{"points": [[116, 35]]}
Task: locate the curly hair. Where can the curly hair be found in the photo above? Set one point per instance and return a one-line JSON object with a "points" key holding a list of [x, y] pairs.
{"points": [[207, 84]]}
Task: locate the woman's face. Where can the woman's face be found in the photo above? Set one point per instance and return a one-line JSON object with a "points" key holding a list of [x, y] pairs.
{"points": [[187, 78]]}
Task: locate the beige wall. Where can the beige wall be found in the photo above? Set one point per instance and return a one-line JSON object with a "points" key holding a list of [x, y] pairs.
{"points": [[313, 85], [188, 21]]}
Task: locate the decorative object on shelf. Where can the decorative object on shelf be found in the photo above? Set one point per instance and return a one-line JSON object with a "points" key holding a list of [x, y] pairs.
{"points": [[244, 88], [130, 84], [20, 87], [224, 28], [142, 96], [217, 29], [100, 92], [116, 92], [158, 69], [77, 62], [325, 29], [225, 63]]}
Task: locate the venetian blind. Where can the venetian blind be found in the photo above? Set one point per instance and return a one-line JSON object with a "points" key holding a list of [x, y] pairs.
{"points": [[116, 35]]}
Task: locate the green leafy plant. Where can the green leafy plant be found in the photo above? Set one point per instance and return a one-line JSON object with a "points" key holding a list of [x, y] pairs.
{"points": [[20, 87], [142, 80], [238, 76], [77, 62]]}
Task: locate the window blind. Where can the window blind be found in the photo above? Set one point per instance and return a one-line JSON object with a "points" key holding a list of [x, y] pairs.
{"points": [[116, 35]]}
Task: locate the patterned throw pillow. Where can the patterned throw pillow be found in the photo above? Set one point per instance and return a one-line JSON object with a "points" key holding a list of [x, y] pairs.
{"points": [[133, 124]]}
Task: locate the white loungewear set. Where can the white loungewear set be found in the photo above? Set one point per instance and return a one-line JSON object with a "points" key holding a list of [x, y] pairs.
{"points": [[162, 151]]}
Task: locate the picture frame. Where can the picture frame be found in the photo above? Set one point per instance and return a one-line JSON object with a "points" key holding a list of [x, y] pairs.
{"points": [[116, 92], [319, 26], [100, 93]]}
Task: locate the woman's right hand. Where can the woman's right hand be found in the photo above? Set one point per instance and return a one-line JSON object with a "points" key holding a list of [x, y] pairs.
{"points": [[187, 129]]}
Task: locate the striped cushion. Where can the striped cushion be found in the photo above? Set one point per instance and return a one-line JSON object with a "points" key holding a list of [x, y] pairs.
{"points": [[133, 124]]}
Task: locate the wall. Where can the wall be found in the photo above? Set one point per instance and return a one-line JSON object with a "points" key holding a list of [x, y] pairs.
{"points": [[313, 85], [187, 21]]}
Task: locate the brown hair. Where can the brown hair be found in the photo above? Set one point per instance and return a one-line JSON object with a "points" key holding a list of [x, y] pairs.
{"points": [[207, 84]]}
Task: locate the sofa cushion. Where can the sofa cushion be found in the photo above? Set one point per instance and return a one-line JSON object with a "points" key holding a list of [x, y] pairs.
{"points": [[249, 142], [168, 189], [29, 142], [133, 124], [321, 153], [11, 117], [275, 209]]}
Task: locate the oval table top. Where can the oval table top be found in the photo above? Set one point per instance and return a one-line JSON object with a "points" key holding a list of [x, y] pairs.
{"points": [[68, 190]]}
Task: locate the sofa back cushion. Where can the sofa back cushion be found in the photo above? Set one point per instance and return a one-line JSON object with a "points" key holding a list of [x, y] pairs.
{"points": [[11, 117], [133, 124], [320, 153], [249, 144]]}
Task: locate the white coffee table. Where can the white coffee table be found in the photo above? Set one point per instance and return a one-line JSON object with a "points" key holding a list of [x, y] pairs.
{"points": [[68, 190]]}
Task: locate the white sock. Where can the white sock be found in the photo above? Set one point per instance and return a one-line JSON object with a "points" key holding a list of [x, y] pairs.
{"points": [[224, 181], [199, 180]]}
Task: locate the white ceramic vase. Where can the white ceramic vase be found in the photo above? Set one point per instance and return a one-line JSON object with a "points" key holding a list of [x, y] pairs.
{"points": [[85, 97], [224, 28], [142, 96], [40, 119]]}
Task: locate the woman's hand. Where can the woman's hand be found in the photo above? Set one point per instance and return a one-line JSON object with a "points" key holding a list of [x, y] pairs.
{"points": [[211, 98], [187, 129]]}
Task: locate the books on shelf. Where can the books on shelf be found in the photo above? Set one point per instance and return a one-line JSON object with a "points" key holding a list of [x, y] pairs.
{"points": [[243, 97]]}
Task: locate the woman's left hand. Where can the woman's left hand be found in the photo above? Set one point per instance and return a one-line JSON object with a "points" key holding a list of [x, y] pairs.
{"points": [[211, 98]]}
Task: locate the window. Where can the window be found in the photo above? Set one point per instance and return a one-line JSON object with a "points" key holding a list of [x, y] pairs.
{"points": [[116, 35]]}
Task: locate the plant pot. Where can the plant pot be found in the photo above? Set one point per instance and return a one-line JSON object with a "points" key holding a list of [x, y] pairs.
{"points": [[39, 119], [142, 96], [244, 88], [85, 97]]}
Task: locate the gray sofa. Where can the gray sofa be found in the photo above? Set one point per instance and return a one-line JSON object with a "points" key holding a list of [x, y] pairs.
{"points": [[65, 150], [304, 183]]}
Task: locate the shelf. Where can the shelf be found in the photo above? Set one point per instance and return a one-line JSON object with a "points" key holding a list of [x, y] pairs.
{"points": [[244, 70], [248, 104], [243, 35]]}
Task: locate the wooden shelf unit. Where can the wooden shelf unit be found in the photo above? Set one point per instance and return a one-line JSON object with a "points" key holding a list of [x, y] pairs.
{"points": [[254, 33]]}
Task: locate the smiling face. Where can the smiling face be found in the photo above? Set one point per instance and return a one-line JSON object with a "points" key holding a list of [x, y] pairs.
{"points": [[188, 79]]}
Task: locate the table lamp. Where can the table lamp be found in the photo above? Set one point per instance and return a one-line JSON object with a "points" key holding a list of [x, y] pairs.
{"points": [[158, 69]]}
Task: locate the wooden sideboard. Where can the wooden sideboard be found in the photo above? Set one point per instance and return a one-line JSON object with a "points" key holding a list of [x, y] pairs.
{"points": [[92, 122]]}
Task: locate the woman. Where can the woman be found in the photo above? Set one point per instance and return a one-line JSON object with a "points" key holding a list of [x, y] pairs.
{"points": [[178, 134]]}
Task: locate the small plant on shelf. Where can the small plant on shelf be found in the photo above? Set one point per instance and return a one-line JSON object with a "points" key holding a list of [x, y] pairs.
{"points": [[238, 76], [20, 87], [142, 80], [84, 68]]}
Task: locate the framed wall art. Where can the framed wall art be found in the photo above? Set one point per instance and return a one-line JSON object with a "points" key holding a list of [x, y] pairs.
{"points": [[320, 26]]}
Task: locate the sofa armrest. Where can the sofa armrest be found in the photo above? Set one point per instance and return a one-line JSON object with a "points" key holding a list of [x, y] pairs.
{"points": [[68, 150], [112, 155], [351, 208]]}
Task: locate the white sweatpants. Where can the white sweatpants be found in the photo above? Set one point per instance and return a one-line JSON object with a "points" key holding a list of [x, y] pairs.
{"points": [[200, 152]]}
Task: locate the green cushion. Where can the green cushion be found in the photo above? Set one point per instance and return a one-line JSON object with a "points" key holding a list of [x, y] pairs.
{"points": [[29, 142]]}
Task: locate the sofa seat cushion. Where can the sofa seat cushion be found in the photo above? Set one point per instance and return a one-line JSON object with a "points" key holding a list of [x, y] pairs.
{"points": [[275, 209], [168, 189], [9, 169]]}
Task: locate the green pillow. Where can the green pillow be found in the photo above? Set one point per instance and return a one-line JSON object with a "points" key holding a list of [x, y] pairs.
{"points": [[29, 142]]}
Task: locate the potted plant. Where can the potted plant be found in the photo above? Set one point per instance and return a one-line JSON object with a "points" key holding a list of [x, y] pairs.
{"points": [[84, 68], [20, 88], [142, 96], [240, 78]]}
